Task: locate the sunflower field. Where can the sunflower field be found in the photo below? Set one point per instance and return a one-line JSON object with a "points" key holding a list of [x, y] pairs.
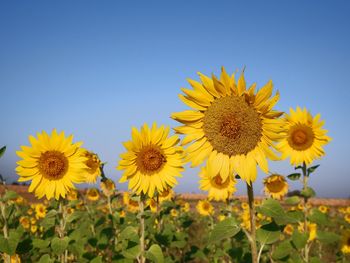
{"points": [[230, 131]]}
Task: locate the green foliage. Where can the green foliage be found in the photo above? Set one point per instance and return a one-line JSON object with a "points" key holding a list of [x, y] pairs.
{"points": [[308, 192], [268, 234], [2, 151], [224, 229], [299, 239], [294, 176], [59, 245], [155, 254], [327, 237], [282, 250], [294, 200]]}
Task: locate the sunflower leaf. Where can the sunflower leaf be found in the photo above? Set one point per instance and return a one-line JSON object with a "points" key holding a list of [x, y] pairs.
{"points": [[2, 151], [224, 229], [327, 237], [299, 239], [155, 254], [282, 250], [268, 234], [312, 169], [293, 200], [308, 192], [294, 176]]}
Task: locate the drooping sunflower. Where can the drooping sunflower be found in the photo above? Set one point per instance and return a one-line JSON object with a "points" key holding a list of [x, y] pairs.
{"points": [[152, 160], [303, 137], [205, 208], [231, 126], [218, 189], [275, 186], [93, 164], [53, 163]]}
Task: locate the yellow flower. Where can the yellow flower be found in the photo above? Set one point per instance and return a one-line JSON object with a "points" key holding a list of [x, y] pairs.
{"points": [[347, 218], [40, 211], [93, 164], [218, 189], [15, 259], [33, 229], [152, 205], [345, 249], [174, 212], [276, 186], [30, 211], [342, 210], [185, 207], [166, 195], [205, 208], [32, 221], [311, 229], [288, 229], [70, 210], [132, 205], [244, 205], [19, 200], [53, 163], [303, 137], [231, 126], [107, 187], [152, 160], [347, 210], [72, 195], [122, 214], [324, 209], [24, 221], [221, 217], [92, 194]]}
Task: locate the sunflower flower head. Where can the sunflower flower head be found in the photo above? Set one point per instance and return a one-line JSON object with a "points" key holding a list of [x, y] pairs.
{"points": [[324, 209], [92, 194], [166, 195], [24, 221], [288, 229], [276, 186], [40, 211], [130, 202], [205, 208], [303, 137], [152, 160], [52, 163], [218, 189], [72, 195], [231, 126], [345, 247], [107, 187], [93, 164]]}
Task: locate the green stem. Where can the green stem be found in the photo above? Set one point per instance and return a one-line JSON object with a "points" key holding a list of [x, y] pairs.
{"points": [[305, 185], [61, 232], [142, 229], [252, 223], [5, 228]]}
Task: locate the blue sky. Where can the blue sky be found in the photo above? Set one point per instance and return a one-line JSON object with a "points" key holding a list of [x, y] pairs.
{"points": [[96, 68]]}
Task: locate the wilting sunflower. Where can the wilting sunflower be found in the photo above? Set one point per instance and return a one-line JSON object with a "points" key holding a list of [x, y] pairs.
{"points": [[107, 187], [152, 160], [303, 137], [204, 208], [231, 126], [276, 186], [218, 188], [93, 164], [345, 249], [92, 194], [53, 163]]}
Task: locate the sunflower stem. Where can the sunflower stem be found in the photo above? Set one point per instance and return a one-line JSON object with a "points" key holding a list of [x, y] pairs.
{"points": [[62, 227], [252, 223], [5, 229], [142, 229], [305, 185]]}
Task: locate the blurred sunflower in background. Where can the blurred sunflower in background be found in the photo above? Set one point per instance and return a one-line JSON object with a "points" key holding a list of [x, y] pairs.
{"points": [[205, 208], [72, 195], [288, 229], [345, 248], [152, 160], [92, 194], [275, 186], [53, 163], [40, 211], [130, 202], [107, 187], [166, 195], [93, 164], [218, 189], [231, 126], [303, 137]]}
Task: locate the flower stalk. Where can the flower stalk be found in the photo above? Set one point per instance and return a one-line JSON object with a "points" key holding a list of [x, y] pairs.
{"points": [[62, 226], [306, 211], [252, 238], [142, 229]]}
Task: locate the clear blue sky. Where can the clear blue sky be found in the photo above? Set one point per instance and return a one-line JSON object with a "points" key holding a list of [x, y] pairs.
{"points": [[96, 68]]}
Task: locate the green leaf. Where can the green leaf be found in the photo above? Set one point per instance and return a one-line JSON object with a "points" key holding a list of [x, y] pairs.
{"points": [[318, 217], [271, 207], [294, 176], [292, 200], [224, 229], [132, 252], [315, 260], [155, 254], [9, 195], [39, 243], [2, 150], [299, 239], [9, 245], [308, 192], [74, 216], [282, 250], [268, 234], [312, 169], [45, 259], [59, 245], [128, 233], [298, 167], [97, 259], [327, 237]]}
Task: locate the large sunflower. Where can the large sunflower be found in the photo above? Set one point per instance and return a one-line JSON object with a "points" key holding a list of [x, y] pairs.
{"points": [[152, 160], [303, 137], [53, 163], [218, 189], [230, 125], [276, 186]]}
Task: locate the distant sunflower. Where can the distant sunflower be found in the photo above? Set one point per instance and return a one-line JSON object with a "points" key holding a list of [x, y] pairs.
{"points": [[93, 164], [303, 137], [229, 125], [131, 204], [218, 189], [345, 249], [276, 186], [288, 229], [107, 187], [152, 160], [205, 208], [72, 195], [53, 163], [166, 195], [40, 211], [324, 209], [92, 194]]}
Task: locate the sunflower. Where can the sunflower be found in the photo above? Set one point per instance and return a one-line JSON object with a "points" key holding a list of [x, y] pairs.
{"points": [[33, 229], [174, 212], [347, 218], [231, 126], [205, 208], [152, 205], [185, 207], [303, 137], [166, 195], [324, 209], [311, 229], [107, 187], [288, 229], [72, 195], [40, 211], [276, 186], [345, 249], [152, 160], [92, 194], [24, 221], [131, 204], [53, 163], [93, 164], [218, 189]]}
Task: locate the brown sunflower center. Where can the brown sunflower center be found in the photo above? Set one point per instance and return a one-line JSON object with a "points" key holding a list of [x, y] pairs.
{"points": [[206, 206], [275, 186], [300, 137], [232, 126], [150, 159], [53, 165]]}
